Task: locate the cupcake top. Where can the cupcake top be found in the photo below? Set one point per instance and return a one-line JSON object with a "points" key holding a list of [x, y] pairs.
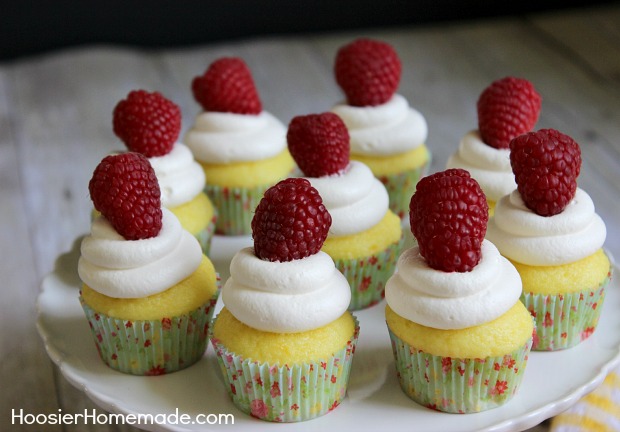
{"points": [[387, 129], [285, 284], [453, 279], [548, 220], [148, 123], [379, 120], [488, 165], [455, 300], [135, 247], [507, 108], [355, 199], [232, 127], [180, 177]]}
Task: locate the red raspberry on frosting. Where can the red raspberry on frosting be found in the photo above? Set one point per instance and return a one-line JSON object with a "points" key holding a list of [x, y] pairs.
{"points": [[546, 165], [147, 123], [227, 86], [448, 217], [319, 143], [368, 71], [507, 108], [290, 221], [125, 190]]}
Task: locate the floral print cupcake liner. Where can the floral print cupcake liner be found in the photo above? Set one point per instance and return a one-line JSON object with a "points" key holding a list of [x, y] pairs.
{"points": [[205, 236], [151, 347], [368, 275], [401, 186], [289, 393], [458, 385], [564, 320], [235, 207]]}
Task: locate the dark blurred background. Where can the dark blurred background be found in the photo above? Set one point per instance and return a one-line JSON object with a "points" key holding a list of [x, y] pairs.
{"points": [[34, 26]]}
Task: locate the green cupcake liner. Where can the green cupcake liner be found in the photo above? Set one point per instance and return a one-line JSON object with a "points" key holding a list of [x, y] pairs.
{"points": [[235, 207], [458, 385], [368, 275], [205, 236], [401, 186], [151, 347], [564, 320], [289, 393]]}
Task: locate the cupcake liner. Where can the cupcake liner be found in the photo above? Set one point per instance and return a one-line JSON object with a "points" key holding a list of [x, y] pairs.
{"points": [[368, 275], [564, 320], [458, 385], [289, 393], [205, 236], [235, 207], [401, 186], [151, 347]]}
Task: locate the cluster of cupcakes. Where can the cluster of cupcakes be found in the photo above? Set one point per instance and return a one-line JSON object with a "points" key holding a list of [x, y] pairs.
{"points": [[508, 255]]}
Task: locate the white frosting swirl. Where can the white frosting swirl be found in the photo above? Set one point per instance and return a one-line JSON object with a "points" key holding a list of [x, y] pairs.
{"points": [[442, 300], [391, 128], [180, 177], [531, 239], [222, 138], [285, 297], [488, 165], [355, 199], [120, 268]]}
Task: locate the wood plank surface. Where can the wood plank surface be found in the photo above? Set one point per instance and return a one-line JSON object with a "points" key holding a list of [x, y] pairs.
{"points": [[55, 126]]}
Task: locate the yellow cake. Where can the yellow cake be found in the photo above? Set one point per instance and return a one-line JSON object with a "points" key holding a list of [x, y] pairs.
{"points": [[374, 240], [491, 207], [196, 214], [503, 335], [250, 174], [187, 295], [394, 164], [283, 348], [565, 278]]}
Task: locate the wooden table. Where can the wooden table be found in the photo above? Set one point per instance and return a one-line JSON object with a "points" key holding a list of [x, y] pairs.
{"points": [[55, 126]]}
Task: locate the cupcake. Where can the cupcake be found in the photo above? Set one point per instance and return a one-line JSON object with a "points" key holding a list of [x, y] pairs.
{"points": [[365, 237], [386, 133], [284, 339], [241, 147], [148, 123], [507, 108], [549, 230], [148, 290], [460, 336]]}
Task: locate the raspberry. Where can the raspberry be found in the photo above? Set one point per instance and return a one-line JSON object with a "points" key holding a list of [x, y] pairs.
{"points": [[319, 143], [368, 71], [227, 86], [290, 222], [546, 165], [506, 109], [147, 123], [125, 190], [448, 217]]}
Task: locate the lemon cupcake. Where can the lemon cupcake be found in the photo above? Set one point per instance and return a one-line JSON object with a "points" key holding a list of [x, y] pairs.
{"points": [[460, 336], [550, 231], [386, 133], [365, 237], [506, 109], [284, 339], [148, 123], [241, 147], [148, 290]]}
